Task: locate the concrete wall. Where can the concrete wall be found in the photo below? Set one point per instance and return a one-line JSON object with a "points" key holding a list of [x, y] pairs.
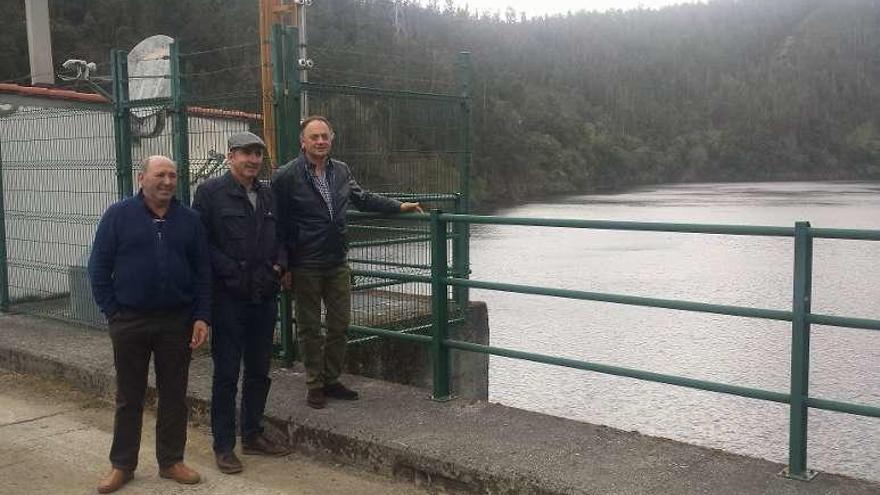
{"points": [[409, 363]]}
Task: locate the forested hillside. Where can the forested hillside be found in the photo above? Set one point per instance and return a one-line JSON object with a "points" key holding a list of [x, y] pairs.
{"points": [[732, 90]]}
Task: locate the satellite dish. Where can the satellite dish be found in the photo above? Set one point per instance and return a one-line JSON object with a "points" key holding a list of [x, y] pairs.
{"points": [[149, 76]]}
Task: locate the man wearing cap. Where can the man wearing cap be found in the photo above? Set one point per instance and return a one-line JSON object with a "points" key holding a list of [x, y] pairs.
{"points": [[313, 193], [239, 217], [150, 275]]}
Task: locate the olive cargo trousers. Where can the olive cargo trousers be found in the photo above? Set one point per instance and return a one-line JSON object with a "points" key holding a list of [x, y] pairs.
{"points": [[322, 355]]}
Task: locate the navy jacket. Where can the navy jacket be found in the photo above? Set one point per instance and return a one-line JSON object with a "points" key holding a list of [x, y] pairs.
{"points": [[242, 240], [140, 263], [312, 238]]}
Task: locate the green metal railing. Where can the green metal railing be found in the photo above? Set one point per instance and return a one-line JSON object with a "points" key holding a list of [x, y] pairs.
{"points": [[52, 206], [442, 280]]}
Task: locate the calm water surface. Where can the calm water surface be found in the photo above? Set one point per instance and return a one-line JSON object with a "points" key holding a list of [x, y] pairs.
{"points": [[736, 270]]}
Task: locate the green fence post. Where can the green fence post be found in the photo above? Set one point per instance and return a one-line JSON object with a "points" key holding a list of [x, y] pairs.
{"points": [[285, 82], [293, 77], [288, 340], [279, 103], [278, 109], [121, 123], [461, 245], [283, 152], [4, 273], [180, 141], [800, 354], [439, 309]]}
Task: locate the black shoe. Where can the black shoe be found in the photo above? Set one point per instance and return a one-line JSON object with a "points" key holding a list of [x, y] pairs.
{"points": [[340, 391], [228, 463], [315, 398], [260, 445]]}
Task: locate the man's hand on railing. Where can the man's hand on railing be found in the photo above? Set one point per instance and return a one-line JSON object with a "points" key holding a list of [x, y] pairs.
{"points": [[411, 208]]}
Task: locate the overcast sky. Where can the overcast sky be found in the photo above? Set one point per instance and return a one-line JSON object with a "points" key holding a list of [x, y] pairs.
{"points": [[534, 8]]}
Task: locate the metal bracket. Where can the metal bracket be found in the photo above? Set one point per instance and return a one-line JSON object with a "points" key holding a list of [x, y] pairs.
{"points": [[785, 473], [448, 398]]}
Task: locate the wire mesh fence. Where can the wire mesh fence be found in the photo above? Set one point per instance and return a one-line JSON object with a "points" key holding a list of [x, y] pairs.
{"points": [[428, 71], [221, 90], [404, 145], [60, 171], [58, 176]]}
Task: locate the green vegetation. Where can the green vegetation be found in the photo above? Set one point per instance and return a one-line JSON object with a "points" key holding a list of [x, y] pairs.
{"points": [[733, 90]]}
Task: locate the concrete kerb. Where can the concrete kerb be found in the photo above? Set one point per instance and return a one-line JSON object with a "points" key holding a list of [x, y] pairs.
{"points": [[94, 374], [459, 446]]}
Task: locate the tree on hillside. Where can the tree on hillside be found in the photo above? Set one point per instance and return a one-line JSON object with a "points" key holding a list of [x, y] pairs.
{"points": [[730, 90]]}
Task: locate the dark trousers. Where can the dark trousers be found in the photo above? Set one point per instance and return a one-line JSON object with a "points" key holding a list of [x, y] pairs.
{"points": [[323, 354], [166, 336], [242, 332]]}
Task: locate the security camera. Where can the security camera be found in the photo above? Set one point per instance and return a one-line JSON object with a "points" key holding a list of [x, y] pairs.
{"points": [[77, 70]]}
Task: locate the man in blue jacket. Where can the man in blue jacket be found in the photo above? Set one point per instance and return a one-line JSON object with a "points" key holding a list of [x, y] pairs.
{"points": [[313, 194], [150, 275], [239, 216]]}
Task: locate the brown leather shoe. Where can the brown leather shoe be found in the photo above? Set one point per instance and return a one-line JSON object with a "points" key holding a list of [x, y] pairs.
{"points": [[315, 398], [114, 480], [228, 463], [260, 445], [181, 473]]}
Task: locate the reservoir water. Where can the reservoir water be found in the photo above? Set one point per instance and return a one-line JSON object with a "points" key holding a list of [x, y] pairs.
{"points": [[735, 270]]}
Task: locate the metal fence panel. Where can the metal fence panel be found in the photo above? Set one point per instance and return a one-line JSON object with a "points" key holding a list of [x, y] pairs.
{"points": [[405, 145], [61, 171], [59, 175]]}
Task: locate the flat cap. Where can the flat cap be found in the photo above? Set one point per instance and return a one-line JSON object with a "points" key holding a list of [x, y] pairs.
{"points": [[244, 140]]}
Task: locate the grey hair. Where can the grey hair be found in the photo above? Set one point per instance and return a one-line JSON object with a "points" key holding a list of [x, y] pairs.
{"points": [[315, 118], [145, 163]]}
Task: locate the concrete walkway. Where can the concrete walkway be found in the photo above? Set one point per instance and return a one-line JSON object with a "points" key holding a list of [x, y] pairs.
{"points": [[54, 440], [460, 446]]}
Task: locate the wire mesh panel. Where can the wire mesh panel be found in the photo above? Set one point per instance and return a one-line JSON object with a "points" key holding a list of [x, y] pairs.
{"points": [[209, 129], [222, 93], [59, 175], [226, 78], [404, 145], [152, 133], [206, 134], [60, 171], [394, 143]]}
